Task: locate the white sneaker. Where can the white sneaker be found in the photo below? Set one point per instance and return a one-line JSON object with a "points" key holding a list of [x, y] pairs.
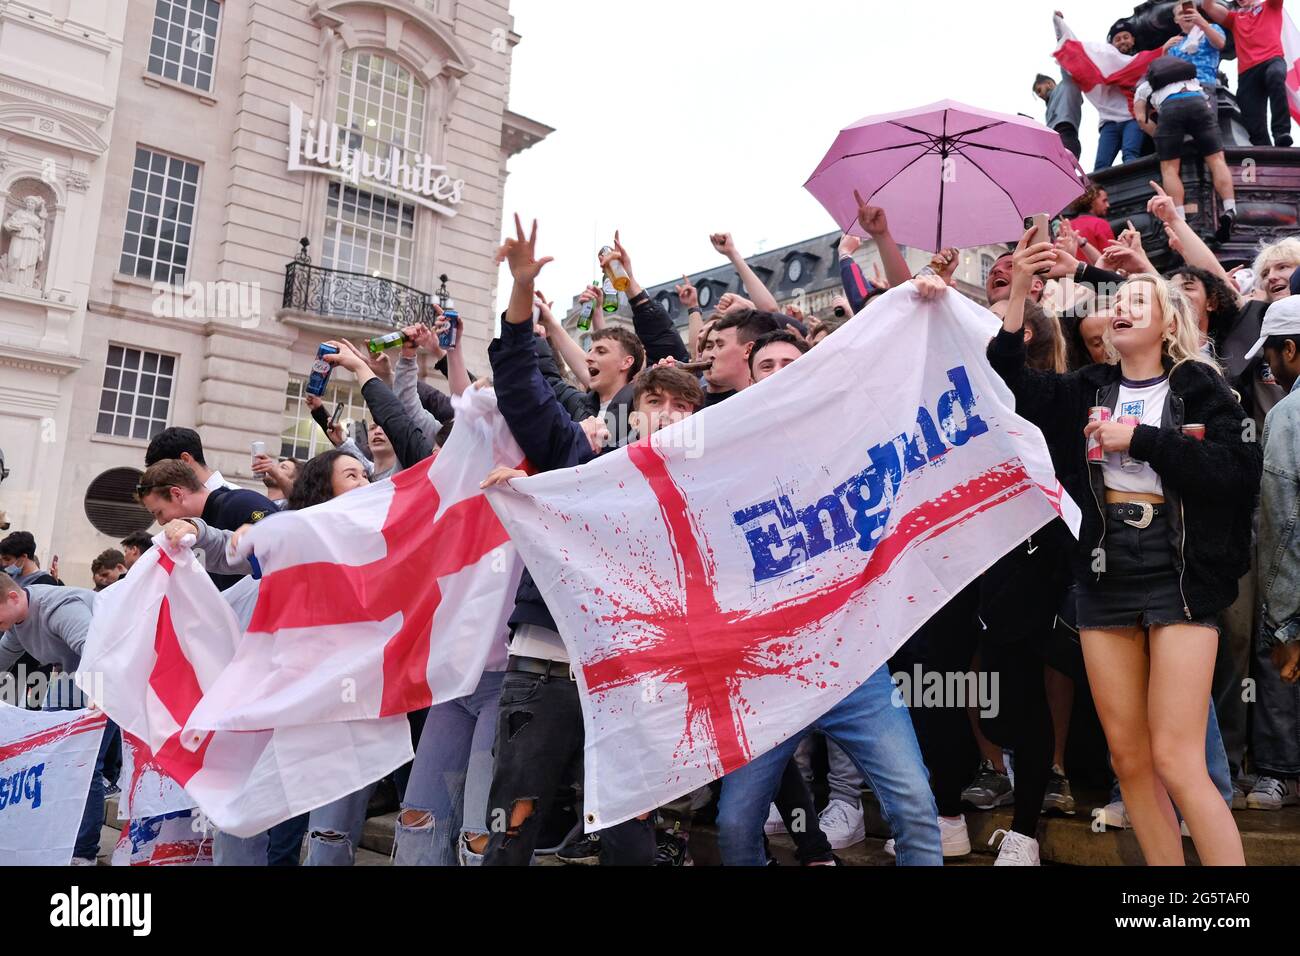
{"points": [[83, 861], [843, 824], [1016, 850], [774, 826], [953, 835], [1271, 793], [1113, 816]]}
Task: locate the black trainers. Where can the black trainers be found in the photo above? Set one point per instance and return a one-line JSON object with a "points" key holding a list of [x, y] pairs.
{"points": [[673, 849], [1283, 140], [1226, 222], [582, 852]]}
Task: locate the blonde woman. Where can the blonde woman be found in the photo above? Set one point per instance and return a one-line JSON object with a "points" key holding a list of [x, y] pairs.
{"points": [[1165, 536]]}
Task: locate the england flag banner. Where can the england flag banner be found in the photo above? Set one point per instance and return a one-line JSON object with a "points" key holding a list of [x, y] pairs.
{"points": [[379, 602], [148, 790], [161, 637], [725, 583], [1291, 54], [46, 759]]}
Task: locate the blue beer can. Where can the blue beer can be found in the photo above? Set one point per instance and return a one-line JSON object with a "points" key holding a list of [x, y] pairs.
{"points": [[448, 338], [320, 371]]}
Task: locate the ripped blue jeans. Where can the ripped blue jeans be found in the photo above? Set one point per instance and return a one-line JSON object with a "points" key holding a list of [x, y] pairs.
{"points": [[450, 779]]}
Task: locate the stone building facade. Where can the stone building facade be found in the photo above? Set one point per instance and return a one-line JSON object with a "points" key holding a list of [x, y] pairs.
{"points": [[375, 130]]}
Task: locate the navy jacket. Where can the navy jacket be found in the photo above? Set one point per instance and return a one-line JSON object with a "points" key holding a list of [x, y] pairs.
{"points": [[546, 425]]}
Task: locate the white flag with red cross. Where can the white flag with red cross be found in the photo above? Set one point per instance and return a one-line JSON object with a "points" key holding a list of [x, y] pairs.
{"points": [[380, 602], [725, 583]]}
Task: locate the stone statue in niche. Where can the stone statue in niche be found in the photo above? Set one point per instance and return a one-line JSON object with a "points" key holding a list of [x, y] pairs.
{"points": [[26, 228]]}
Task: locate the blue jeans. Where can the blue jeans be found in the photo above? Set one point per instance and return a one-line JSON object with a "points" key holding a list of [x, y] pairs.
{"points": [[62, 694], [334, 830], [450, 778], [1275, 729], [279, 846], [1115, 136], [878, 737]]}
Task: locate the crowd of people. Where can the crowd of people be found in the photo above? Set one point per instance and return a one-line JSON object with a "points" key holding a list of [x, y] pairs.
{"points": [[1179, 95], [1168, 403]]}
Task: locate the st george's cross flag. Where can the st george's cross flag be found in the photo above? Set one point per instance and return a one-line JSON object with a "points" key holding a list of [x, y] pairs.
{"points": [[1104, 75], [46, 759], [1291, 52], [159, 639], [382, 601], [725, 583]]}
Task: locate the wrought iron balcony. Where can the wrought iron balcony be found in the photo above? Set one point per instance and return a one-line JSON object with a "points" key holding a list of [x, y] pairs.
{"points": [[354, 297]]}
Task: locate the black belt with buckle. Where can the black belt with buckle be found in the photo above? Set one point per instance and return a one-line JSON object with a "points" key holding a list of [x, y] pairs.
{"points": [[1137, 514], [535, 665]]}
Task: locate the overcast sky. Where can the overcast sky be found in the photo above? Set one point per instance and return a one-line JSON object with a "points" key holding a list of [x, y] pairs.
{"points": [[676, 119]]}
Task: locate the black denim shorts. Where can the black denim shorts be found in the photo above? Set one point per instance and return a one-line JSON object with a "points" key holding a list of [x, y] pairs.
{"points": [[1187, 116], [1139, 585]]}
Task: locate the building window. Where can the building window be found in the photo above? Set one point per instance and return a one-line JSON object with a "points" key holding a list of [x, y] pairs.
{"points": [[184, 45], [111, 506], [160, 217], [369, 233], [137, 393], [986, 266], [301, 437], [380, 101], [380, 105]]}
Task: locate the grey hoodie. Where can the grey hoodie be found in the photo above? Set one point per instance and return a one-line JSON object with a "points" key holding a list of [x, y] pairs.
{"points": [[58, 619]]}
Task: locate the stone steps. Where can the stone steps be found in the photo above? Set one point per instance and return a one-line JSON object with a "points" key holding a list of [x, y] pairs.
{"points": [[1269, 839]]}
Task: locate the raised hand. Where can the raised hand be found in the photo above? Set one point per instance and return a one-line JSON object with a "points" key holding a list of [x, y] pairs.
{"points": [[1067, 238], [348, 357], [1162, 206], [520, 253], [849, 245], [724, 244], [730, 302], [544, 309], [688, 294], [871, 218], [1030, 261]]}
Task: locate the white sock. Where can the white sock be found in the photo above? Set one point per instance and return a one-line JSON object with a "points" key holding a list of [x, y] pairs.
{"points": [[1182, 212], [1230, 205]]}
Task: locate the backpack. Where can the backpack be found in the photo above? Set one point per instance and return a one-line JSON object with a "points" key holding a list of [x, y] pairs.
{"points": [[1168, 70]]}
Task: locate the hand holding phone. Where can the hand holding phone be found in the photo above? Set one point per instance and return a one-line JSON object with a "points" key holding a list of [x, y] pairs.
{"points": [[1042, 226]]}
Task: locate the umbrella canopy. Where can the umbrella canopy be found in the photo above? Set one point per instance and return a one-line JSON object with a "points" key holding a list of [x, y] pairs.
{"points": [[948, 175]]}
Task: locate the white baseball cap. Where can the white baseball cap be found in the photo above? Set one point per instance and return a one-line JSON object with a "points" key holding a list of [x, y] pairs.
{"points": [[1282, 318]]}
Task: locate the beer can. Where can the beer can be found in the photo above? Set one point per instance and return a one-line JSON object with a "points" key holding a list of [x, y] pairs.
{"points": [[1099, 414], [1194, 431], [321, 371], [259, 448], [448, 338]]}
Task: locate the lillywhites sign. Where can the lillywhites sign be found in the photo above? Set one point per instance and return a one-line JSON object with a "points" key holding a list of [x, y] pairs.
{"points": [[316, 146]]}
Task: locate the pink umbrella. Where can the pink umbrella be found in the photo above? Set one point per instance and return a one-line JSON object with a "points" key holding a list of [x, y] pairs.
{"points": [[948, 175]]}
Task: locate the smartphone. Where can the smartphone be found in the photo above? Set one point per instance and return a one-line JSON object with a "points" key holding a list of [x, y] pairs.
{"points": [[1187, 6], [338, 413], [1042, 226]]}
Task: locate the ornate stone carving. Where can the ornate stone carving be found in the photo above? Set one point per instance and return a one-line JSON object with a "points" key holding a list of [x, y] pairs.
{"points": [[26, 229]]}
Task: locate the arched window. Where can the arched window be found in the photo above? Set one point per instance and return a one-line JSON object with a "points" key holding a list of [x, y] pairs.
{"points": [[380, 105]]}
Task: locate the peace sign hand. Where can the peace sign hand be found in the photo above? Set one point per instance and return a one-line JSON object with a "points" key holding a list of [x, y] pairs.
{"points": [[521, 254]]}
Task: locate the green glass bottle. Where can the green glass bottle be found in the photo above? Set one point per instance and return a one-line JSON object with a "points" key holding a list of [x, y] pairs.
{"points": [[393, 340]]}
